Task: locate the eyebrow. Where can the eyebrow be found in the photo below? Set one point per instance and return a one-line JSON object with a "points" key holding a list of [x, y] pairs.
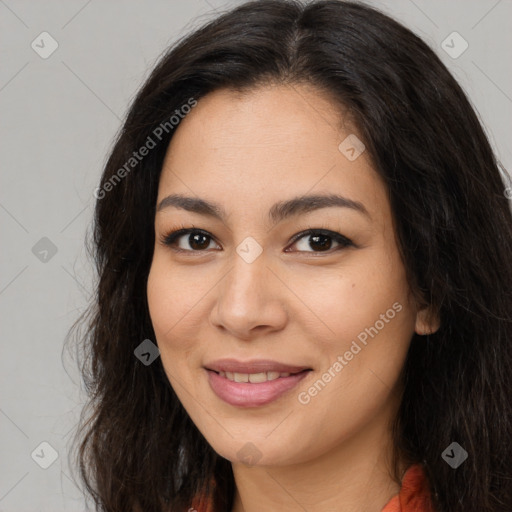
{"points": [[277, 213]]}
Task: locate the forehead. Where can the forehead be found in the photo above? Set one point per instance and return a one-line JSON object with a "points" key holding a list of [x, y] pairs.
{"points": [[296, 118], [259, 146]]}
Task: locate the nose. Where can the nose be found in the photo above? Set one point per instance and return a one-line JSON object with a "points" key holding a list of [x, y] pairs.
{"points": [[250, 300]]}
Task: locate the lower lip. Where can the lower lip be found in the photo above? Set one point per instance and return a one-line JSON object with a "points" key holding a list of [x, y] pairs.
{"points": [[246, 394]]}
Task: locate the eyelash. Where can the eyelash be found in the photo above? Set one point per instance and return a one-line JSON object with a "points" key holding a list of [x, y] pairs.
{"points": [[173, 236]]}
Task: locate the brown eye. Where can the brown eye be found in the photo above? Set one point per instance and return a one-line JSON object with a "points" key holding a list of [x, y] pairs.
{"points": [[196, 241], [314, 240]]}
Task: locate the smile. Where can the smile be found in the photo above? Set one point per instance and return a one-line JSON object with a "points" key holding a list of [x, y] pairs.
{"points": [[253, 377], [252, 389]]}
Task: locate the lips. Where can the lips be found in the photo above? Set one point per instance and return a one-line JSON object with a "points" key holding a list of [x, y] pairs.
{"points": [[253, 383], [253, 366], [249, 394]]}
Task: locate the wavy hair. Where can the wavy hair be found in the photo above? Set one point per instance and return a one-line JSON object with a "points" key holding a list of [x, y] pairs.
{"points": [[137, 448]]}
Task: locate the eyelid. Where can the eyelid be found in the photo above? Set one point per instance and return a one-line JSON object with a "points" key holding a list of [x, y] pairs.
{"points": [[170, 238], [338, 237]]}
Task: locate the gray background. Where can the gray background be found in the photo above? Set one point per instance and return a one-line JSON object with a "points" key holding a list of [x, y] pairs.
{"points": [[59, 116]]}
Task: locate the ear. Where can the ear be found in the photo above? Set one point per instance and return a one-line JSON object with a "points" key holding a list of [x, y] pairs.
{"points": [[426, 321]]}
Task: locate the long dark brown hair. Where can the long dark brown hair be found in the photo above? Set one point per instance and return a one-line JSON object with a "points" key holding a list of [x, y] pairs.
{"points": [[137, 448]]}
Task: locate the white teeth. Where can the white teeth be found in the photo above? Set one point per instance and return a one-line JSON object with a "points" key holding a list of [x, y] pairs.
{"points": [[252, 377], [258, 377]]}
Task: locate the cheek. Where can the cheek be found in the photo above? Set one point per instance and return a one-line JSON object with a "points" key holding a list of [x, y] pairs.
{"points": [[372, 323], [171, 302], [344, 302], [367, 321]]}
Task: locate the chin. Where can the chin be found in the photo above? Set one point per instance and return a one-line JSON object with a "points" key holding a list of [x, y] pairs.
{"points": [[260, 451]]}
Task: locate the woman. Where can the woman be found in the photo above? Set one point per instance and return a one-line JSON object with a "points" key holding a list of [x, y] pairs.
{"points": [[303, 247]]}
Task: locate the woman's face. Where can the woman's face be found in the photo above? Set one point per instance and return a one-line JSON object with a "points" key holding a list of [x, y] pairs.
{"points": [[243, 289]]}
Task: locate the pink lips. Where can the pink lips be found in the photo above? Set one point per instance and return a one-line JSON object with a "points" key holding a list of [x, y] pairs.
{"points": [[247, 394]]}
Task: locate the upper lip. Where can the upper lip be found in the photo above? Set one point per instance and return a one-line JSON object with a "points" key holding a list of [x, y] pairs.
{"points": [[253, 366]]}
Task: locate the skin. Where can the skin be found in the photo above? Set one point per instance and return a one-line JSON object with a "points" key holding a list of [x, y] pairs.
{"points": [[302, 306]]}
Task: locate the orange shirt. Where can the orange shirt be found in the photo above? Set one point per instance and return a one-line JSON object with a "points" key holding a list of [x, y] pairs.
{"points": [[414, 495]]}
